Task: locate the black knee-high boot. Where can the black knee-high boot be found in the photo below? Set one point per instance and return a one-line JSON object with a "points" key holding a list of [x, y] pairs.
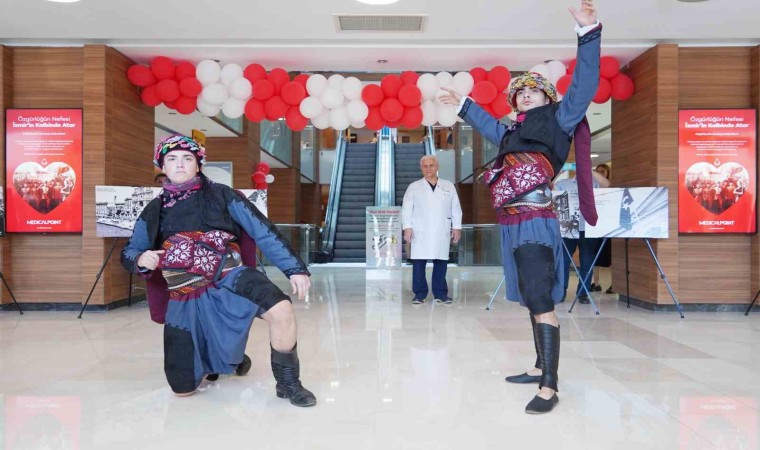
{"points": [[286, 370], [524, 378], [548, 348]]}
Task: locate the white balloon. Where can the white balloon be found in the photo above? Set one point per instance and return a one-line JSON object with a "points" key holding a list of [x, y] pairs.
{"points": [[316, 85], [358, 124], [352, 88], [543, 69], [215, 94], [230, 73], [447, 115], [357, 110], [332, 98], [311, 107], [322, 121], [556, 70], [444, 79], [207, 109], [339, 119], [240, 89], [439, 94], [208, 72], [429, 113], [463, 83], [336, 81], [269, 178], [233, 108], [428, 85]]}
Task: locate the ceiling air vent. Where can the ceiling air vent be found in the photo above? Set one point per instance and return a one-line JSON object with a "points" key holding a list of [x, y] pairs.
{"points": [[378, 22]]}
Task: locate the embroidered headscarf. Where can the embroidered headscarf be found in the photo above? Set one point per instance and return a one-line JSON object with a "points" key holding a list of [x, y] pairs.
{"points": [[178, 142], [533, 80]]}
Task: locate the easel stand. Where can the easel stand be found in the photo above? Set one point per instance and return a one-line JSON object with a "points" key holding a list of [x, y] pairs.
{"points": [[746, 313], [97, 278], [662, 275], [584, 280], [13, 297]]}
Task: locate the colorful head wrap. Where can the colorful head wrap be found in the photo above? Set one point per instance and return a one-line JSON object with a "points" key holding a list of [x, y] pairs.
{"points": [[531, 79], [179, 142]]}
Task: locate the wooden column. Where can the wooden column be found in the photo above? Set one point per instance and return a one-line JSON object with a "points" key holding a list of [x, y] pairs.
{"points": [[6, 101], [755, 103]]}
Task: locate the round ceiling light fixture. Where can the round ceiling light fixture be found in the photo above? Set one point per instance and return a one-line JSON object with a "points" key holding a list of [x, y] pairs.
{"points": [[63, 1], [691, 1], [377, 2]]}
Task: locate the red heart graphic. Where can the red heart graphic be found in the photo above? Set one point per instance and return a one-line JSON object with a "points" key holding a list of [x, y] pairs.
{"points": [[717, 187], [44, 188]]}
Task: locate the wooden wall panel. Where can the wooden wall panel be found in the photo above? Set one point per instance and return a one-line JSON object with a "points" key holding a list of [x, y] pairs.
{"points": [[465, 199], [285, 196], [6, 101], [47, 268], [311, 207]]}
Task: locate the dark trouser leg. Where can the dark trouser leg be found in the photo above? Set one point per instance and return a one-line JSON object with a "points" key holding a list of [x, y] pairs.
{"points": [[587, 248], [440, 288], [179, 360], [571, 245], [419, 283], [287, 371]]}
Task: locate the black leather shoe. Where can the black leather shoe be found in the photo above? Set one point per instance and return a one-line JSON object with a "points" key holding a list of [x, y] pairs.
{"points": [[595, 288], [523, 378], [540, 406], [212, 376], [583, 299], [244, 366], [609, 291], [286, 369]]}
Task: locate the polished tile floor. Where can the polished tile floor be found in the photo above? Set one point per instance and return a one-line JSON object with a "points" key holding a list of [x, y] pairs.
{"points": [[390, 375]]}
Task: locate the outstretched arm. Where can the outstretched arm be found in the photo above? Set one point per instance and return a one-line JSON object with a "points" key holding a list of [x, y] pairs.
{"points": [[473, 114]]}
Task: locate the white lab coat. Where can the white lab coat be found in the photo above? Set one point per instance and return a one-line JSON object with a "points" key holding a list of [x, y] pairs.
{"points": [[431, 215]]}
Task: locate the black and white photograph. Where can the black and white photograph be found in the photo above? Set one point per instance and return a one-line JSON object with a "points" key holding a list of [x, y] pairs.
{"points": [[567, 208], [636, 212], [258, 197], [118, 207]]}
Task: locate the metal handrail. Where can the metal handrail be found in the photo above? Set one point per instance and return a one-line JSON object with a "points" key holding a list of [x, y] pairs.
{"points": [[385, 176], [429, 142], [333, 200]]}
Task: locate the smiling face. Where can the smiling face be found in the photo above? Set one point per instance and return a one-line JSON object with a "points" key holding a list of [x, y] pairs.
{"points": [[528, 98], [180, 166]]}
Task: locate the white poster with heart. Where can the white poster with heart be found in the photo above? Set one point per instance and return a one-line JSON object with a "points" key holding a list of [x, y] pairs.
{"points": [[43, 163]]}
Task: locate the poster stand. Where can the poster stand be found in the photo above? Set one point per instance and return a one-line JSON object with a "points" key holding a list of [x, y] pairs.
{"points": [[13, 297], [97, 278]]}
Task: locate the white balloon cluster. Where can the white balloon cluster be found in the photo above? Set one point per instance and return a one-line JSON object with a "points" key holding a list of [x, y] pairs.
{"points": [[552, 71], [430, 85], [224, 88], [334, 102]]}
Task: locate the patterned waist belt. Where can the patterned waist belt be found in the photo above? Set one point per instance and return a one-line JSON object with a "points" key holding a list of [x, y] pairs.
{"points": [[539, 198]]}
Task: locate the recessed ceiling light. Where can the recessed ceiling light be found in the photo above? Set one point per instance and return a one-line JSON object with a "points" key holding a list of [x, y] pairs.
{"points": [[594, 155], [63, 1], [382, 61], [691, 1], [377, 2]]}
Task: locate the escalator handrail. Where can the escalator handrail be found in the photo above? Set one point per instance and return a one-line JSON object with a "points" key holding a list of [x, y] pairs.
{"points": [[333, 199], [429, 142]]}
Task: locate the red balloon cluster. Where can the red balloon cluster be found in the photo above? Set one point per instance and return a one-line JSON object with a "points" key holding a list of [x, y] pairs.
{"points": [[164, 81], [259, 176], [395, 102], [275, 96], [489, 88], [612, 82]]}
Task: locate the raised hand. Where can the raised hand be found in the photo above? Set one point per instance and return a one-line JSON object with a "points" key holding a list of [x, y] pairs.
{"points": [[587, 15], [452, 98]]}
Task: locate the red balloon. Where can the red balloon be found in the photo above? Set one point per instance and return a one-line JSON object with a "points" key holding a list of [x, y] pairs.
{"points": [[622, 87], [409, 77], [278, 77], [372, 95], [263, 90], [500, 105], [263, 168], [390, 85], [167, 90], [490, 110], [293, 93], [609, 66], [255, 72], [564, 82], [261, 186], [412, 117], [190, 87], [295, 120], [391, 109], [374, 120], [499, 76], [184, 70], [254, 110], [259, 177], [140, 76], [479, 74], [149, 96], [571, 66], [484, 92], [301, 79], [394, 124], [603, 92], [410, 95], [185, 105], [275, 107], [162, 67], [169, 105]]}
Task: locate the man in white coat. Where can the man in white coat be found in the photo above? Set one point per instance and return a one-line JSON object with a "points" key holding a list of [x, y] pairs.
{"points": [[432, 217]]}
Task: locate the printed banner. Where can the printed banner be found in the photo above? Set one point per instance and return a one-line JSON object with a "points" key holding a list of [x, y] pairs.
{"points": [[717, 171], [639, 212], [43, 164], [567, 208], [383, 237]]}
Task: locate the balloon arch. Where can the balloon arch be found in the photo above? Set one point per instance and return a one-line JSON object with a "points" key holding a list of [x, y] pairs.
{"points": [[408, 99]]}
